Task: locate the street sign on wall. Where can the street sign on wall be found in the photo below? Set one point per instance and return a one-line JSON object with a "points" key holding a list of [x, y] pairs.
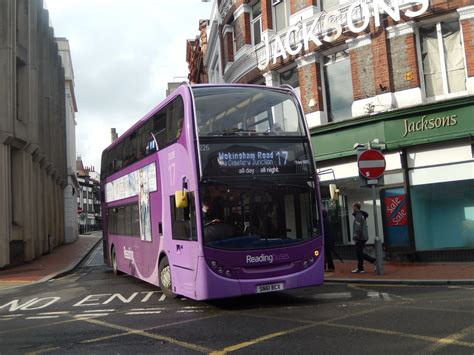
{"points": [[371, 164]]}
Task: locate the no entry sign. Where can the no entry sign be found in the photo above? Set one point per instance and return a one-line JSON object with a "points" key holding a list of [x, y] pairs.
{"points": [[371, 164]]}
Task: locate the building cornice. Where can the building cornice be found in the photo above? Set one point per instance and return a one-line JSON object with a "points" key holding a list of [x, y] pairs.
{"points": [[241, 66], [466, 13], [227, 29], [224, 7], [244, 8], [401, 29]]}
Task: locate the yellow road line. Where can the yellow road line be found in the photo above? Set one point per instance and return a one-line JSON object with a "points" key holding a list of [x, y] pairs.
{"points": [[94, 340], [449, 340], [434, 340], [259, 340], [37, 326], [170, 340], [42, 351], [289, 331], [432, 309]]}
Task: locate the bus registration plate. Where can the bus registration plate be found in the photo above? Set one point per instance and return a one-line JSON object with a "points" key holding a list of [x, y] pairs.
{"points": [[269, 288]]}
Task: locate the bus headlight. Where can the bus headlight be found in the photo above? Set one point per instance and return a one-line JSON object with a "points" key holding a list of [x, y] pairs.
{"points": [[228, 273], [213, 264], [316, 252]]}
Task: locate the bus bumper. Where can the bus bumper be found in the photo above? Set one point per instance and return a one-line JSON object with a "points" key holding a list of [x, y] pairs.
{"points": [[210, 285]]}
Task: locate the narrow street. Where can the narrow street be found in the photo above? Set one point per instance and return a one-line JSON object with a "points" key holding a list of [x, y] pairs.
{"points": [[94, 311]]}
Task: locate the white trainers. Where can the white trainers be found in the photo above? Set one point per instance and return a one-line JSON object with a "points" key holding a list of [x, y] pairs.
{"points": [[357, 271]]}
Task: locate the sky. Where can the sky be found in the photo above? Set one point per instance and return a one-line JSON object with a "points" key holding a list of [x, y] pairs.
{"points": [[124, 53]]}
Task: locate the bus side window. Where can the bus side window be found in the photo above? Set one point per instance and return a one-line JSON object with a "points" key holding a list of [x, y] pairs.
{"points": [[175, 117], [183, 220]]}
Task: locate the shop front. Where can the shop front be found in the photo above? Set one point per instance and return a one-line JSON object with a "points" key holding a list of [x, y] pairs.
{"points": [[425, 204]]}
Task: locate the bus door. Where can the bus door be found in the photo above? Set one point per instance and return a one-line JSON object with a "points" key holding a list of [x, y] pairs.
{"points": [[184, 246]]}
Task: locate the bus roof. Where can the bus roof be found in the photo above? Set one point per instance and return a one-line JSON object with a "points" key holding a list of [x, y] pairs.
{"points": [[175, 93]]}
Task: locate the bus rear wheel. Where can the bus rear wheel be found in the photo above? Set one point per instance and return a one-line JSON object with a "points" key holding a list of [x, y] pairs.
{"points": [[114, 263], [164, 274]]}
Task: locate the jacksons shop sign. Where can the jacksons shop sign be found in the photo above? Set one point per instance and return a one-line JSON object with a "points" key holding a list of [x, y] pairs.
{"points": [[328, 27]]}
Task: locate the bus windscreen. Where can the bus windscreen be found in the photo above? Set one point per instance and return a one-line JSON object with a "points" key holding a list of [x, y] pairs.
{"points": [[246, 111], [261, 215]]}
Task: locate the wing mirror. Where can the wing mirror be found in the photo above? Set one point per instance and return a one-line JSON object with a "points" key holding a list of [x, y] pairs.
{"points": [[181, 197]]}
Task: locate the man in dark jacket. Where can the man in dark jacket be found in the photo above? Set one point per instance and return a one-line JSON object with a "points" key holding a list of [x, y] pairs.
{"points": [[361, 235]]}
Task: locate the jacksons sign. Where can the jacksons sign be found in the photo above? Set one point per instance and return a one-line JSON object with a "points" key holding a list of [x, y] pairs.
{"points": [[328, 27]]}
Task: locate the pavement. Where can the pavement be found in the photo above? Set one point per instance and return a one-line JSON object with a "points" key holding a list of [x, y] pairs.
{"points": [[60, 261], [67, 257]]}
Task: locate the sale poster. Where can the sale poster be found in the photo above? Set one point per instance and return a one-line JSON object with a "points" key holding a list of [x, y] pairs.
{"points": [[395, 217]]}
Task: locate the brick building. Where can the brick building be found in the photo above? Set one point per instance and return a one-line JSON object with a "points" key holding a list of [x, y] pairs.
{"points": [[195, 51], [400, 73]]}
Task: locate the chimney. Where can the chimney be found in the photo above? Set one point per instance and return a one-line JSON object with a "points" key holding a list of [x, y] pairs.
{"points": [[113, 134]]}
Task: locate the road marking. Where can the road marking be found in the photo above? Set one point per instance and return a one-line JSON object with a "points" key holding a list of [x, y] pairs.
{"points": [[331, 324], [386, 296], [108, 337], [142, 312], [449, 340], [190, 311], [373, 294], [9, 316], [309, 324], [260, 339], [170, 340], [162, 298], [90, 315], [98, 310], [42, 317], [148, 309], [94, 253], [22, 329], [43, 350], [52, 313], [405, 335], [462, 287], [332, 296]]}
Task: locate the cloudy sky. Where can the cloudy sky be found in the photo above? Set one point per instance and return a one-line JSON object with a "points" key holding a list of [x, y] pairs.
{"points": [[124, 53]]}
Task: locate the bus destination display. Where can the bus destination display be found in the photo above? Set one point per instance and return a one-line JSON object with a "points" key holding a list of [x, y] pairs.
{"points": [[255, 159]]}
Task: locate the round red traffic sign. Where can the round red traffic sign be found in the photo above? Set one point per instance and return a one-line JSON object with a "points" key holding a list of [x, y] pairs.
{"points": [[371, 164]]}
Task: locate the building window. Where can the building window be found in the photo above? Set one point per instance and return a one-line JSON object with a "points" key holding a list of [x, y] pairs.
{"points": [[256, 19], [214, 71], [290, 77], [338, 86], [443, 215], [281, 14], [442, 59]]}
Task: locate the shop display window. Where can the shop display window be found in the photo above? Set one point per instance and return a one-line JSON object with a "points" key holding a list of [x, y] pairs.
{"points": [[443, 215]]}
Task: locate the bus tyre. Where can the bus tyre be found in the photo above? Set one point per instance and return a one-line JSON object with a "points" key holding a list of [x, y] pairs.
{"points": [[114, 263], [164, 274]]}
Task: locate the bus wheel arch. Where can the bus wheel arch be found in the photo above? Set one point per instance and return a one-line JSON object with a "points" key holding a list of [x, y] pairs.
{"points": [[114, 260], [164, 277]]}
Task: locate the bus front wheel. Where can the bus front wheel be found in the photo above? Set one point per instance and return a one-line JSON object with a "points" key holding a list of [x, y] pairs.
{"points": [[114, 263], [164, 273]]}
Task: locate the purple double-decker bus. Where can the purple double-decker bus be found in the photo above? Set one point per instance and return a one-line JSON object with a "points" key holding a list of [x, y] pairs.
{"points": [[214, 194]]}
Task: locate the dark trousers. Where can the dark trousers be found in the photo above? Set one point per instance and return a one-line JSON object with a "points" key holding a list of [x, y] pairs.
{"points": [[361, 256], [328, 257]]}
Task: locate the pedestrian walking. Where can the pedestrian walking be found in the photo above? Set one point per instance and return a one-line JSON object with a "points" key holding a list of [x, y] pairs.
{"points": [[328, 244], [360, 237]]}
